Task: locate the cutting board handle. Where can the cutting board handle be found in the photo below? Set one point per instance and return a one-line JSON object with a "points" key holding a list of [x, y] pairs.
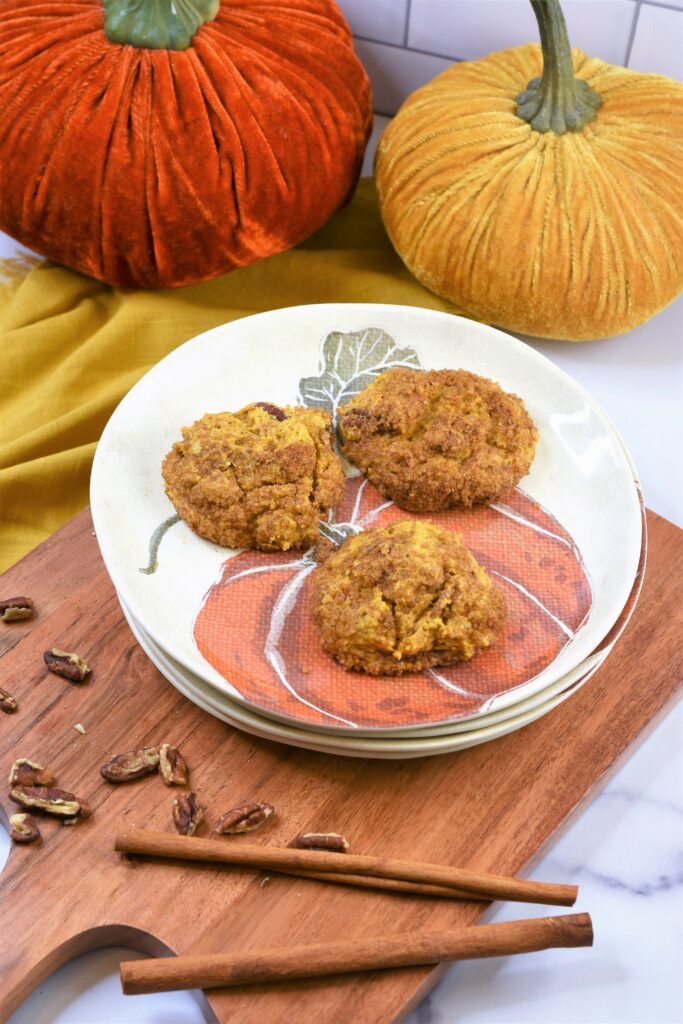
{"points": [[30, 955]]}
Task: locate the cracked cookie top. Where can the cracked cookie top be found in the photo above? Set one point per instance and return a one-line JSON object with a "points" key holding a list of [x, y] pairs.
{"points": [[404, 598], [258, 478], [440, 439]]}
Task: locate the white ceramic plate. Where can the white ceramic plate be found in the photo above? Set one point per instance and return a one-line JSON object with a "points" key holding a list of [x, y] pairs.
{"points": [[594, 660], [238, 716], [172, 669], [498, 724], [580, 475]]}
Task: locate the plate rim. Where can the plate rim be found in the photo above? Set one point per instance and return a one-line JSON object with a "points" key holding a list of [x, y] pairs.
{"points": [[593, 661], [390, 749]]}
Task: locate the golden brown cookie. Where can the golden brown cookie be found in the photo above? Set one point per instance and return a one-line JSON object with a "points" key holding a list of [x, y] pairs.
{"points": [[436, 440], [404, 598], [258, 478]]}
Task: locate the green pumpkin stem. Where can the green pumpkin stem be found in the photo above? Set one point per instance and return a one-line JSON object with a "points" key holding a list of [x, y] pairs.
{"points": [[557, 101], [156, 24]]}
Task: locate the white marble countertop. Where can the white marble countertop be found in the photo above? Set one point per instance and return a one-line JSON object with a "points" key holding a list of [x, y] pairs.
{"points": [[626, 848]]}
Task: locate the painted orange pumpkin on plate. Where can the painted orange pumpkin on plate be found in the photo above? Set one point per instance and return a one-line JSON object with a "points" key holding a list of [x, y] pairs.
{"points": [[255, 626]]}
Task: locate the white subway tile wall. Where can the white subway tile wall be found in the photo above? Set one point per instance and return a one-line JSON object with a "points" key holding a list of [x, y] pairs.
{"points": [[383, 20], [471, 28], [658, 41], [396, 72], [405, 43]]}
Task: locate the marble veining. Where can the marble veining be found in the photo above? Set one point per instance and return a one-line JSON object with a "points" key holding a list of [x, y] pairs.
{"points": [[625, 851]]}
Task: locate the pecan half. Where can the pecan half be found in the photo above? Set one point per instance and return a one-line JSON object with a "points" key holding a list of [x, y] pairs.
{"points": [[131, 765], [173, 766], [187, 814], [273, 410], [330, 841], [29, 773], [62, 663], [243, 819], [23, 828], [8, 703], [57, 802], [15, 608]]}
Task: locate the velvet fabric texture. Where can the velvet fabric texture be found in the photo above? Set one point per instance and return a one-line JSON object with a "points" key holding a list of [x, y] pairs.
{"points": [[574, 236], [71, 348], [161, 168]]}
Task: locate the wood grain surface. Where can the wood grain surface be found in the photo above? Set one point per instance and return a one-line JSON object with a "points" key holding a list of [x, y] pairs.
{"points": [[490, 808]]}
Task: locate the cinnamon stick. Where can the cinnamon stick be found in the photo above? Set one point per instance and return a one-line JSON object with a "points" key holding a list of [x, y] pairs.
{"points": [[387, 884], [481, 885], [405, 950]]}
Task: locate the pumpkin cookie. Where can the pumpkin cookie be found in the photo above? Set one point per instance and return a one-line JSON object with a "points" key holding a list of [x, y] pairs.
{"points": [[404, 598], [258, 478], [436, 440]]}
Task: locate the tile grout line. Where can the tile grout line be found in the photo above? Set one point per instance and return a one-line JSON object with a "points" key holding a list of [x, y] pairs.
{"points": [[406, 27], [660, 3], [632, 33], [408, 49]]}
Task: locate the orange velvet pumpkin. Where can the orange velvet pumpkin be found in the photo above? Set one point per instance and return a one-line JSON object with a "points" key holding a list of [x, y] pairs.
{"points": [[166, 166]]}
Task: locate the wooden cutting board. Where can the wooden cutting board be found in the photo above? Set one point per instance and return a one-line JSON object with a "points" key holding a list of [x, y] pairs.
{"points": [[493, 807]]}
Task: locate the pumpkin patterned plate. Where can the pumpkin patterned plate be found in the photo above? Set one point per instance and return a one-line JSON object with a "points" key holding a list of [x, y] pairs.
{"points": [[564, 548], [217, 703], [189, 683], [423, 743], [218, 612]]}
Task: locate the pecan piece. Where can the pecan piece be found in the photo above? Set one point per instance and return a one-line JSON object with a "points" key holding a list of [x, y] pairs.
{"points": [[8, 703], [187, 814], [273, 410], [84, 812], [330, 841], [131, 765], [16, 608], [57, 802], [23, 828], [62, 663], [243, 819], [173, 766], [29, 773]]}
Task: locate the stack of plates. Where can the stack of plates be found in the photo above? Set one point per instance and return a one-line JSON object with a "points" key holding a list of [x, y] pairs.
{"points": [[233, 631]]}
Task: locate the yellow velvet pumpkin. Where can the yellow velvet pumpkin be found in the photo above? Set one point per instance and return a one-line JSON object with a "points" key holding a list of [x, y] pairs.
{"points": [[551, 207]]}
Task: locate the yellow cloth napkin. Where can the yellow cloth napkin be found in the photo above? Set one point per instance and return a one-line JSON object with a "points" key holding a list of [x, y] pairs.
{"points": [[70, 349]]}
